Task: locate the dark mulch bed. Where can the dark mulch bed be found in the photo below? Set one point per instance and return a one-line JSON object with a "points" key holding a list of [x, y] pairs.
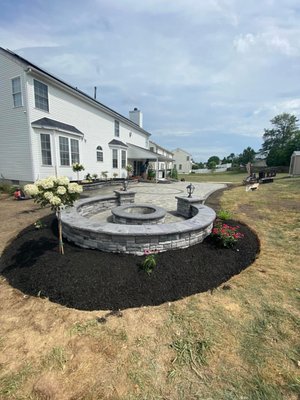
{"points": [[94, 280]]}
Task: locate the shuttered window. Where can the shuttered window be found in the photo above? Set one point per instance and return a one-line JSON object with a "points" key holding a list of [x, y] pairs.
{"points": [[16, 92]]}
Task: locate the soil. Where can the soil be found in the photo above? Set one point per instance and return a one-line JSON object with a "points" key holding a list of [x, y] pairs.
{"points": [[93, 280]]}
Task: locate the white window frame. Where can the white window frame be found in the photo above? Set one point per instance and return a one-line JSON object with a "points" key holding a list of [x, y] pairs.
{"points": [[123, 158], [17, 94], [115, 152], [47, 150], [99, 154], [117, 128], [41, 101], [72, 155]]}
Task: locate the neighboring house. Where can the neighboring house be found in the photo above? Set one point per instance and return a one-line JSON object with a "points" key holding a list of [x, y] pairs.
{"points": [[47, 124], [182, 161], [162, 168], [295, 163]]}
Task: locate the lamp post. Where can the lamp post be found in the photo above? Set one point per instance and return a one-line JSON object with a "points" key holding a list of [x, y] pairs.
{"points": [[125, 185], [190, 189]]}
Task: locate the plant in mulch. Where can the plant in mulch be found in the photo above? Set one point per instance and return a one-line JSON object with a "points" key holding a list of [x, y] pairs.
{"points": [[225, 235], [56, 192], [224, 215], [150, 261], [77, 167]]}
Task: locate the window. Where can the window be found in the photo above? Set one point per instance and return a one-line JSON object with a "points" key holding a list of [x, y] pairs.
{"points": [[117, 128], [64, 151], [187, 158], [115, 158], [99, 153], [16, 91], [74, 151], [46, 149], [41, 95], [123, 159], [152, 149], [180, 167]]}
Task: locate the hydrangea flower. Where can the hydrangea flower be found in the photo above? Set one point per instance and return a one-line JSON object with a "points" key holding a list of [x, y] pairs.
{"points": [[61, 190], [31, 189]]}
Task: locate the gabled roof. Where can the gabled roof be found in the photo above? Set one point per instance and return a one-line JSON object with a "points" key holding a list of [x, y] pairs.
{"points": [[116, 142], [183, 151], [32, 68], [52, 124]]}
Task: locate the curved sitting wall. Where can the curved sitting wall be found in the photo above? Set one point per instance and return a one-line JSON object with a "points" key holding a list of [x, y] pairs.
{"points": [[133, 239]]}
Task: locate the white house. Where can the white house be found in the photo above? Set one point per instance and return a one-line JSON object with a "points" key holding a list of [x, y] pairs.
{"points": [[47, 124], [182, 161], [164, 166]]}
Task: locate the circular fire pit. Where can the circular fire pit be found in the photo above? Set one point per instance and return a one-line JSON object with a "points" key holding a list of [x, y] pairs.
{"points": [[138, 214]]}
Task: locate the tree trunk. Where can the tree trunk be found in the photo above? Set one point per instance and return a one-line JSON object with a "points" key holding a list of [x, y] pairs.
{"points": [[60, 241]]}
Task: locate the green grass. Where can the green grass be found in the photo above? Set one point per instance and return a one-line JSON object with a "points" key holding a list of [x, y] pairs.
{"points": [[228, 176]]}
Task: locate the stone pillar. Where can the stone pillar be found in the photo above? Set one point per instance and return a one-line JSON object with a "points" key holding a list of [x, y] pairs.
{"points": [[125, 197], [184, 204]]}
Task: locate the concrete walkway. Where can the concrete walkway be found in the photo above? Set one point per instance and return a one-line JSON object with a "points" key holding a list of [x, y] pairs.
{"points": [[160, 194]]}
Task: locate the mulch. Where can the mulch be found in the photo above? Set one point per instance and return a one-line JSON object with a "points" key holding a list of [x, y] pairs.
{"points": [[93, 280]]}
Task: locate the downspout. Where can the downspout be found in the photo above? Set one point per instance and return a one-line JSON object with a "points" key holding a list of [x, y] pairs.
{"points": [[156, 175], [26, 111]]}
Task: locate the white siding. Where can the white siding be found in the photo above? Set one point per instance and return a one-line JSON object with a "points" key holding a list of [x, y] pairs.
{"points": [[15, 151], [96, 125], [180, 157]]}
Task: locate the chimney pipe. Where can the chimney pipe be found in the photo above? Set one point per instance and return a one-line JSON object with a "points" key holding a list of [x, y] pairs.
{"points": [[95, 92]]}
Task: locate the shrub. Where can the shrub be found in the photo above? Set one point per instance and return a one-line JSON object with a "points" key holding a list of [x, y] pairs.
{"points": [[226, 235], [224, 215], [150, 261], [174, 173]]}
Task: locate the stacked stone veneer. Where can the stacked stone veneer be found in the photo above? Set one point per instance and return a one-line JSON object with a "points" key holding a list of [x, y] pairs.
{"points": [[133, 239]]}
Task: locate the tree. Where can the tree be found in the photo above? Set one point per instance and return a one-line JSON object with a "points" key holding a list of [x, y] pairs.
{"points": [[211, 165], [215, 159], [281, 140], [57, 192], [248, 155]]}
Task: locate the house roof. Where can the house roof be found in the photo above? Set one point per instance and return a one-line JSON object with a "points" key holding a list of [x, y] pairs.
{"points": [[116, 142], [32, 68], [139, 153], [162, 148], [183, 151], [52, 124]]}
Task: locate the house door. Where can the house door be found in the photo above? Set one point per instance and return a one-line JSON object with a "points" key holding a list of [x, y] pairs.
{"points": [[137, 165]]}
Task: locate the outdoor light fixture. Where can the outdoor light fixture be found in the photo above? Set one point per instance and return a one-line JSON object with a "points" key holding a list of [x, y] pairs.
{"points": [[125, 185], [190, 189]]}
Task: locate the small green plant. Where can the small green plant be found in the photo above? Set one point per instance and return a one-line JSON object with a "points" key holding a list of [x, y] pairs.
{"points": [[39, 224], [94, 177], [115, 174], [104, 174], [151, 173], [174, 173], [88, 177], [150, 261], [226, 235], [224, 215]]}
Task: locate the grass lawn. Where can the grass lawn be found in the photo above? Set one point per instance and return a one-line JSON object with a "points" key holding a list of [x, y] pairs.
{"points": [[240, 341], [228, 176]]}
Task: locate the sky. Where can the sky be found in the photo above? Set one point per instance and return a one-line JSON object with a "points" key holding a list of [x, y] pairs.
{"points": [[208, 75]]}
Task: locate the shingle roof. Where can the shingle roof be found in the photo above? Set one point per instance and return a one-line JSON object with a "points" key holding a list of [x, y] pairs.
{"points": [[51, 123], [103, 107], [116, 142]]}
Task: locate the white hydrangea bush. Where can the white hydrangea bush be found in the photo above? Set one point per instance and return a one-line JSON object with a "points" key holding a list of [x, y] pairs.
{"points": [[54, 191]]}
